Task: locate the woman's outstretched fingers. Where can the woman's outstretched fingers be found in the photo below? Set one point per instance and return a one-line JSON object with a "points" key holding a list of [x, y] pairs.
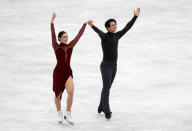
{"points": [[53, 17]]}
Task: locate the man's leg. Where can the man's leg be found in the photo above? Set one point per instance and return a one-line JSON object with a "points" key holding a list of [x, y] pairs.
{"points": [[100, 108], [113, 74], [106, 77]]}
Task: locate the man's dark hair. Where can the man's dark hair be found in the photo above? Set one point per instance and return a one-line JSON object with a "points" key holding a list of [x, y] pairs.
{"points": [[60, 34], [107, 23]]}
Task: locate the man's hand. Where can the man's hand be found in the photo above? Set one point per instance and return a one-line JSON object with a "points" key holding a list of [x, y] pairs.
{"points": [[53, 17], [137, 12], [90, 22]]}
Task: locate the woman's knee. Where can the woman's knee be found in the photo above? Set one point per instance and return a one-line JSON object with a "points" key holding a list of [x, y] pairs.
{"points": [[70, 93], [58, 97]]}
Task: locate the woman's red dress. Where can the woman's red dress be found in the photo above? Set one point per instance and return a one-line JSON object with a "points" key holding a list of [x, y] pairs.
{"points": [[63, 53]]}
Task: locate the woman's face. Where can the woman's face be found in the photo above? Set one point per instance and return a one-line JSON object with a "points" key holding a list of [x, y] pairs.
{"points": [[64, 38]]}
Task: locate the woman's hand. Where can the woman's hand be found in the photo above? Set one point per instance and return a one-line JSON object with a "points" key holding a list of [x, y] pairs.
{"points": [[53, 17]]}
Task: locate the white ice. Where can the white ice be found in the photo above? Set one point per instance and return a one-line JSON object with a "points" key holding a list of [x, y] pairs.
{"points": [[152, 90]]}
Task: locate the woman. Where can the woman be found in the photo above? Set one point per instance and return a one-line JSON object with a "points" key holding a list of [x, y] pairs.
{"points": [[62, 75]]}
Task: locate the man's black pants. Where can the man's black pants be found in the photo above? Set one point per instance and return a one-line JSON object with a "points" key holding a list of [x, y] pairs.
{"points": [[108, 72]]}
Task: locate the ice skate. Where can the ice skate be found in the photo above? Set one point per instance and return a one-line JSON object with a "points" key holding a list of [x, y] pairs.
{"points": [[68, 117]]}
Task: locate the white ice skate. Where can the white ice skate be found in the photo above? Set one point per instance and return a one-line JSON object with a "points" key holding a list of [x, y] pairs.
{"points": [[68, 117], [60, 117]]}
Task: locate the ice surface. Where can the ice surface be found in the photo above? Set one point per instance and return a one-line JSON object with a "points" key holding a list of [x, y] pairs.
{"points": [[152, 90]]}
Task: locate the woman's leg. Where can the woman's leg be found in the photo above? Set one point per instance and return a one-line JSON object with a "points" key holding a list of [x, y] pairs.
{"points": [[70, 91], [58, 106], [58, 102]]}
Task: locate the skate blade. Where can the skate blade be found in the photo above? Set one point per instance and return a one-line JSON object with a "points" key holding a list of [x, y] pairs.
{"points": [[71, 123]]}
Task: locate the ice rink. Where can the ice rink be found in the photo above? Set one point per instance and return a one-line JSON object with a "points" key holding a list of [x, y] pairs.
{"points": [[152, 90]]}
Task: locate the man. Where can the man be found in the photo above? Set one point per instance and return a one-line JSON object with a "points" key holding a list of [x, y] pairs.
{"points": [[108, 67]]}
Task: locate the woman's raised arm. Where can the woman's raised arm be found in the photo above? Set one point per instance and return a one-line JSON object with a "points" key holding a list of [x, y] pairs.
{"points": [[54, 41]]}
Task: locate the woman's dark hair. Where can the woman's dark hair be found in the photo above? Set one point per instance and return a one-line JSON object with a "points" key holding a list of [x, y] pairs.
{"points": [[60, 34], [107, 23]]}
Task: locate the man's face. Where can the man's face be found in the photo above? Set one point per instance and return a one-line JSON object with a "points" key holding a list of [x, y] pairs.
{"points": [[113, 27]]}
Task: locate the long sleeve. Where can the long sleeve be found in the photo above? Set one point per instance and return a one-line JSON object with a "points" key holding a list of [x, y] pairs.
{"points": [[127, 27], [54, 42], [98, 31], [76, 39]]}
